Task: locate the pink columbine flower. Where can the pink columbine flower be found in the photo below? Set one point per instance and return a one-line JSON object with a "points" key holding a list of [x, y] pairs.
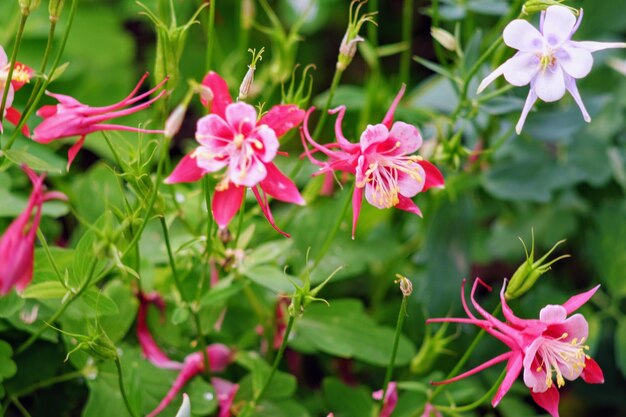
{"points": [[390, 401], [72, 118], [220, 356], [548, 59], [385, 169], [21, 75], [17, 244], [232, 138], [552, 347]]}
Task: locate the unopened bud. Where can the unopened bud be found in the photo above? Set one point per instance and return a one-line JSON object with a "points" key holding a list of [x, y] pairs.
{"points": [[536, 6], [185, 408], [445, 38], [28, 6], [175, 121], [101, 347], [248, 11], [527, 273], [206, 95], [405, 285], [248, 80], [351, 38], [347, 50], [55, 7]]}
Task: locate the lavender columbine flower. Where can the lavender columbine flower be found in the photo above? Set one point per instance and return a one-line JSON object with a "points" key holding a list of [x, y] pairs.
{"points": [[548, 59]]}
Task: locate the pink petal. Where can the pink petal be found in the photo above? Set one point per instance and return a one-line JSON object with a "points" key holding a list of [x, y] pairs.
{"points": [[221, 96], [407, 204], [220, 356], [373, 197], [530, 102], [241, 117], [3, 57], [535, 376], [570, 84], [225, 392], [523, 36], [408, 186], [576, 62], [47, 111], [208, 160], [373, 135], [187, 170], [282, 118], [548, 400], [357, 201], [558, 25], [434, 177], [407, 136], [388, 119], [521, 69], [277, 185], [592, 374], [193, 366], [13, 116], [267, 212], [73, 151], [552, 314], [488, 364], [213, 132], [269, 143], [226, 203], [576, 301], [151, 351], [592, 46], [513, 369], [390, 401], [508, 313], [246, 172]]}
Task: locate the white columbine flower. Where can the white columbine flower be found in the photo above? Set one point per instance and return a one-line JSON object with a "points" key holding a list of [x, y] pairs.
{"points": [[547, 59]]}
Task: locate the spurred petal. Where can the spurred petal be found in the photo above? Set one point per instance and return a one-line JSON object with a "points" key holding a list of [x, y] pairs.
{"points": [[523, 36], [225, 392], [406, 136], [151, 351], [575, 302], [388, 119], [490, 78], [592, 46], [13, 116], [277, 185], [73, 151], [513, 368], [226, 203], [265, 208], [592, 374], [185, 407], [548, 400], [282, 118], [221, 96], [576, 62], [187, 170], [530, 101], [434, 177], [357, 201], [192, 367], [521, 69], [558, 25], [550, 84], [570, 84], [390, 400]]}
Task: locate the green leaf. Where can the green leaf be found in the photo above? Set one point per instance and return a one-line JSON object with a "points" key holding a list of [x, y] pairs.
{"points": [[620, 346], [180, 315], [100, 302], [283, 385], [343, 329], [221, 292], [347, 401], [116, 326], [45, 290], [270, 277], [23, 156], [10, 304]]}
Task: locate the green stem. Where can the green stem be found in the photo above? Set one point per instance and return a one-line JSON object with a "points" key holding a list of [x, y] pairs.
{"points": [[407, 32], [120, 378], [47, 383], [209, 223], [44, 245], [372, 30], [44, 63], [331, 236], [210, 34], [61, 309], [41, 91], [331, 94], [16, 48], [478, 402], [20, 407], [170, 256], [394, 350], [202, 343]]}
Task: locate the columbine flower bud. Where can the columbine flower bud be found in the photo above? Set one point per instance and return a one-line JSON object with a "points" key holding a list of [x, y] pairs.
{"points": [[527, 273], [28, 6], [175, 121], [445, 38], [405, 285], [536, 6], [248, 11], [347, 49], [248, 80], [54, 9]]}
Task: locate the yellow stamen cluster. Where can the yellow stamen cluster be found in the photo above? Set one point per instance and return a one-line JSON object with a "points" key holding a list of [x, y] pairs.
{"points": [[559, 356]]}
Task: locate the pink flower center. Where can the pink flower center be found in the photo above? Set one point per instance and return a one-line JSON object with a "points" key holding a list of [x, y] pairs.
{"points": [[558, 357]]}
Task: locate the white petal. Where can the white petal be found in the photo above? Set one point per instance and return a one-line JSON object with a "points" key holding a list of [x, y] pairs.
{"points": [[576, 62], [521, 69], [549, 85], [523, 36], [489, 79], [570, 84], [185, 408], [592, 46], [241, 117], [3, 57], [530, 101], [558, 25]]}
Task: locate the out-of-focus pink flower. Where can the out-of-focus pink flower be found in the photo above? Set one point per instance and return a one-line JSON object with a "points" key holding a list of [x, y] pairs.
{"points": [[21, 75], [547, 59], [553, 346], [385, 169], [225, 392], [390, 401], [17, 245], [72, 118], [232, 138], [431, 411]]}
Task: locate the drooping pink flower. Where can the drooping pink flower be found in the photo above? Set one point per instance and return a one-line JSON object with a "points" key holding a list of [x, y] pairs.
{"points": [[17, 244], [21, 75], [383, 162], [225, 392], [547, 59], [390, 401], [431, 411], [72, 118], [232, 138], [550, 348]]}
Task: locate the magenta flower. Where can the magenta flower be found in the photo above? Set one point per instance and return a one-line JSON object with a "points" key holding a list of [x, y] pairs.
{"points": [[232, 138], [72, 118], [225, 392], [17, 244], [551, 347], [220, 356], [21, 75], [547, 59], [382, 162], [390, 401]]}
